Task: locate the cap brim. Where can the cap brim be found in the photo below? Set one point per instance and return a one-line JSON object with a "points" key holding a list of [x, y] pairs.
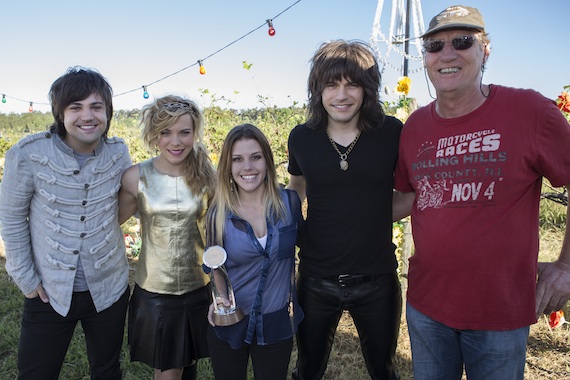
{"points": [[452, 26]]}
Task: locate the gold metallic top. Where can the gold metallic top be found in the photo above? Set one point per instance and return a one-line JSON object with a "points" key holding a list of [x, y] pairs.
{"points": [[172, 232]]}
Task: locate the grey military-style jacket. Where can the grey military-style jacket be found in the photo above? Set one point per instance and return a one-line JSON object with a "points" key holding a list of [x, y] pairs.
{"points": [[53, 213]]}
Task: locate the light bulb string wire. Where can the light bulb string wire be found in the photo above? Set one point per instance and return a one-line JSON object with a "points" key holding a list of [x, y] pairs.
{"points": [[23, 100], [182, 69]]}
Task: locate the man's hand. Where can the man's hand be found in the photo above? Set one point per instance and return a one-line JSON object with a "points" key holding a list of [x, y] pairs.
{"points": [[39, 292], [553, 287]]}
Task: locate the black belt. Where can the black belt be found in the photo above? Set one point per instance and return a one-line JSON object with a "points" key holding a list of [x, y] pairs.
{"points": [[348, 280]]}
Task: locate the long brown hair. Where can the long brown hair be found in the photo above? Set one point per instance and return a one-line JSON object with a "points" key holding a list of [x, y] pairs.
{"points": [[226, 198]]}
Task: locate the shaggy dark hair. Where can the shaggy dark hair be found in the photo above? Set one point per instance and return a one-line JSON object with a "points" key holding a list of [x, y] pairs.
{"points": [[76, 84], [351, 60]]}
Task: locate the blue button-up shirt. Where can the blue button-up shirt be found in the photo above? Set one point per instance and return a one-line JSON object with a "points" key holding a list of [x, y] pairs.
{"points": [[263, 278]]}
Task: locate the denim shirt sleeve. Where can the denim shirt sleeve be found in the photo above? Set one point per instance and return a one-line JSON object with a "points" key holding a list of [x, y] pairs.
{"points": [[15, 200]]}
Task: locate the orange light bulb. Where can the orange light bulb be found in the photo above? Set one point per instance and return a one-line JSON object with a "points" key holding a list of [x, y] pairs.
{"points": [[202, 68]]}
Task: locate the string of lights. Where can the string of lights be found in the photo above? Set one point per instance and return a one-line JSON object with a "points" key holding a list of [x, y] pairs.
{"points": [[200, 63]]}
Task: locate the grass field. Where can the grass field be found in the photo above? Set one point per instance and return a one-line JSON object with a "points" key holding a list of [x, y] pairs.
{"points": [[548, 352]]}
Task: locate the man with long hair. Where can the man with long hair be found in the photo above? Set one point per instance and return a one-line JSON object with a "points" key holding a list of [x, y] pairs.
{"points": [[342, 160]]}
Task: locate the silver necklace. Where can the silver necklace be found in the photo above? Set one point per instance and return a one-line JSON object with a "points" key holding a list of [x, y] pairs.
{"points": [[343, 156]]}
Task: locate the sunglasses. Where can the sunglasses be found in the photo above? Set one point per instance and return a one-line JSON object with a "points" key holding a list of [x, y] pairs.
{"points": [[458, 43]]}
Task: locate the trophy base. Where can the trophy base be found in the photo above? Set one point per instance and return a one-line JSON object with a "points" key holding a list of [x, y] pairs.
{"points": [[228, 319]]}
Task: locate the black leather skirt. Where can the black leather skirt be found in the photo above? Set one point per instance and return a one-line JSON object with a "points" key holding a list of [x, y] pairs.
{"points": [[168, 331]]}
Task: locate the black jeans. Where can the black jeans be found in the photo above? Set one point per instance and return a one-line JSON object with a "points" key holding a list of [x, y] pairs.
{"points": [[375, 304], [270, 362], [45, 337]]}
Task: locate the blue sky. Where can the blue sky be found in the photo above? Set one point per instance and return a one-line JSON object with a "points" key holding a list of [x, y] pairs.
{"points": [[137, 42]]}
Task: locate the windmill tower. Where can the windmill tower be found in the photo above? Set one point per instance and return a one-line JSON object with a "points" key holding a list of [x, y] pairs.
{"points": [[393, 49], [405, 15]]}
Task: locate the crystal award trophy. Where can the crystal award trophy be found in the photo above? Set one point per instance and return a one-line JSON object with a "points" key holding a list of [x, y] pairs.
{"points": [[226, 312]]}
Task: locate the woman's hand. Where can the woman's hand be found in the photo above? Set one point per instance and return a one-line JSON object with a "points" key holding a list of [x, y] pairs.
{"points": [[222, 303], [211, 314]]}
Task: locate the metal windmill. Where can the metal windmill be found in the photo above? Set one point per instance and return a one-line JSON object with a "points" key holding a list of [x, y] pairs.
{"points": [[405, 14]]}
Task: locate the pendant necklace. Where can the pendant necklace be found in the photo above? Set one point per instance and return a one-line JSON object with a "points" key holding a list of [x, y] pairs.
{"points": [[343, 156]]}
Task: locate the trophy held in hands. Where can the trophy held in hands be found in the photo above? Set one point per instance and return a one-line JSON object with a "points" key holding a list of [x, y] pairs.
{"points": [[226, 312]]}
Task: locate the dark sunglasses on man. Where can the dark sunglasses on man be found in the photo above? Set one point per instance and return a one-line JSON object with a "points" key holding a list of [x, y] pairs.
{"points": [[458, 43]]}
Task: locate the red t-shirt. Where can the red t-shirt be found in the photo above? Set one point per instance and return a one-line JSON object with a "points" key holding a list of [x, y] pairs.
{"points": [[477, 180]]}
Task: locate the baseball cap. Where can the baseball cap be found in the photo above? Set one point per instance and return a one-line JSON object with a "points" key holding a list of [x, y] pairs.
{"points": [[456, 17]]}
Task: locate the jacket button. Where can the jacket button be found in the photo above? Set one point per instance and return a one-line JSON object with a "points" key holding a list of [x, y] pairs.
{"points": [[82, 218], [76, 252], [76, 171], [83, 203], [82, 235]]}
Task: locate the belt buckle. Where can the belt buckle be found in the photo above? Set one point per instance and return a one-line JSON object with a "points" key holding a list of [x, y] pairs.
{"points": [[345, 280]]}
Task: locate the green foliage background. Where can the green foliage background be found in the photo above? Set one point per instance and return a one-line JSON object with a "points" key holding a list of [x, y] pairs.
{"points": [[275, 122]]}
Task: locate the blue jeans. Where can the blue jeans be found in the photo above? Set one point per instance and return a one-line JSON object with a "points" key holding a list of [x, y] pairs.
{"points": [[440, 352]]}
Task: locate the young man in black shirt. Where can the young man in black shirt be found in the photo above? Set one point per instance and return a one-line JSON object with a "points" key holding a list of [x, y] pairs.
{"points": [[342, 160]]}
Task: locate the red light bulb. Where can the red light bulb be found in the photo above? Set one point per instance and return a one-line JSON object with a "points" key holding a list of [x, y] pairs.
{"points": [[271, 30]]}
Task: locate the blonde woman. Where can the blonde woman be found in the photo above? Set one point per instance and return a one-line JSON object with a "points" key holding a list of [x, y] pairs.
{"points": [[256, 222], [170, 192]]}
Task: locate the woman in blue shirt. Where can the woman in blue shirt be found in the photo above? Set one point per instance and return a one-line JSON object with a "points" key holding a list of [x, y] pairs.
{"points": [[256, 222]]}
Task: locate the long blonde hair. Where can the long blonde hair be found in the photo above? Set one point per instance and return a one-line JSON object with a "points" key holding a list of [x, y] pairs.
{"points": [[163, 113], [226, 198]]}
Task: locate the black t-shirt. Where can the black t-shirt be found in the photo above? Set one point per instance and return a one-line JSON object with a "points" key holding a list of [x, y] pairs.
{"points": [[349, 223]]}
